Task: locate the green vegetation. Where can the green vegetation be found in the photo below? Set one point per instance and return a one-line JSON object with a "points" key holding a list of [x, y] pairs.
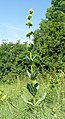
{"points": [[49, 39], [12, 61], [52, 107], [49, 60]]}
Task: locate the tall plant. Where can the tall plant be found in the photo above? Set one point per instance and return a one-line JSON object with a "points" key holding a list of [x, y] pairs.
{"points": [[33, 86]]}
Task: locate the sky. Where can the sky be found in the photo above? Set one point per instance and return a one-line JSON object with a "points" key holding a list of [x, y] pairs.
{"points": [[13, 17]]}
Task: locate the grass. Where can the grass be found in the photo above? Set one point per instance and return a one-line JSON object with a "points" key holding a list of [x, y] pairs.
{"points": [[52, 107]]}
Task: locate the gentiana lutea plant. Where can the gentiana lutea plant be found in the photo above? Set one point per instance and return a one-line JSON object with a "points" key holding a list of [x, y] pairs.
{"points": [[31, 71], [33, 86]]}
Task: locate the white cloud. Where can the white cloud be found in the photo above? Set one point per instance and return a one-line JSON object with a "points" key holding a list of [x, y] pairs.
{"points": [[12, 33], [7, 25], [0, 42]]}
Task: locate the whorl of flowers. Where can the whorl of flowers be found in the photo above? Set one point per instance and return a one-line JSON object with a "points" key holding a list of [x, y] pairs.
{"points": [[29, 33], [29, 23], [30, 11], [29, 16]]}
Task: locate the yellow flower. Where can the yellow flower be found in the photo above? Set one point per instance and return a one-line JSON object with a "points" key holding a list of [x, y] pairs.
{"points": [[30, 11], [29, 16], [29, 33], [29, 23]]}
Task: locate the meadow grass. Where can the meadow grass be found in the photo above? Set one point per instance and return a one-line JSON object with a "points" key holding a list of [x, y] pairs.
{"points": [[52, 107]]}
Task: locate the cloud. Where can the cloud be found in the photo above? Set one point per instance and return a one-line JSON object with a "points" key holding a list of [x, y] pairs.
{"points": [[7, 25], [0, 42], [12, 33]]}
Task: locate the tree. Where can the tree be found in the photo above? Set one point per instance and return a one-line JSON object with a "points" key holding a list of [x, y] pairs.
{"points": [[12, 61], [49, 39]]}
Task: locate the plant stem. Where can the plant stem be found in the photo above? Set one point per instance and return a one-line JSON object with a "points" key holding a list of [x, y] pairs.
{"points": [[34, 101], [30, 55], [31, 65]]}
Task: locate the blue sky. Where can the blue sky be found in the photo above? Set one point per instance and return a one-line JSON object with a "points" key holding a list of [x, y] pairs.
{"points": [[13, 15]]}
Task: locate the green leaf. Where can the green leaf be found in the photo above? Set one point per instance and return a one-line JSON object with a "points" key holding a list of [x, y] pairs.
{"points": [[41, 99], [31, 60], [26, 101], [32, 89], [32, 76]]}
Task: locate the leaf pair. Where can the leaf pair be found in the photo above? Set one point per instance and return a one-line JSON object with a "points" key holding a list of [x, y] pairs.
{"points": [[32, 89], [32, 76], [31, 61]]}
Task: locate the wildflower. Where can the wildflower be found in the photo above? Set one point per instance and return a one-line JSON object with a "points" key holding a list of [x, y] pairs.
{"points": [[29, 33], [30, 11], [29, 16], [29, 23]]}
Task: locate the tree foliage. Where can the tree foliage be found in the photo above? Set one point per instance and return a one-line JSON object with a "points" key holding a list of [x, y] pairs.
{"points": [[49, 39], [12, 60]]}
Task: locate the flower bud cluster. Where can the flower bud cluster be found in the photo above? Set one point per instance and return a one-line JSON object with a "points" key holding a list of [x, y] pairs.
{"points": [[29, 33], [30, 11], [29, 22]]}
